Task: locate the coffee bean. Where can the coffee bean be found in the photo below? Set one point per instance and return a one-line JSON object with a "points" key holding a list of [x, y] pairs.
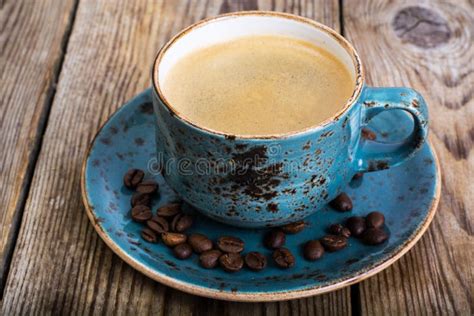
{"points": [[199, 243], [283, 258], [147, 186], [294, 228], [375, 220], [313, 250], [338, 229], [173, 239], [182, 251], [333, 243], [342, 203], [255, 261], [368, 134], [274, 239], [209, 259], [169, 210], [132, 178], [230, 244], [141, 213], [181, 222], [356, 225], [140, 199], [374, 236], [149, 235], [358, 175], [231, 262], [158, 224]]}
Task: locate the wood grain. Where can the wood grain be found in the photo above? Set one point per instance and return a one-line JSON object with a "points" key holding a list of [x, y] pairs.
{"points": [[32, 38], [60, 265], [428, 47]]}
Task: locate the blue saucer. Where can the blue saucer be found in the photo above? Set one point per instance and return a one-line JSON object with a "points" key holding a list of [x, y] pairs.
{"points": [[408, 196]]}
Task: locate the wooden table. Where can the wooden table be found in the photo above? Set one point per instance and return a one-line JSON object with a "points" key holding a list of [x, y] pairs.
{"points": [[67, 65]]}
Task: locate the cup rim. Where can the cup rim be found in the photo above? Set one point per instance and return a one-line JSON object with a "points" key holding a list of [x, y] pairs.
{"points": [[359, 73]]}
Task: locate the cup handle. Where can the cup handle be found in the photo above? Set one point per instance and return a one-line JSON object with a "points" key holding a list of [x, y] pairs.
{"points": [[371, 155]]}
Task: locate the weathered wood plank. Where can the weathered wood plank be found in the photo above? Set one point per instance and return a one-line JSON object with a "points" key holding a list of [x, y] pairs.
{"points": [[32, 38], [430, 48], [60, 265]]}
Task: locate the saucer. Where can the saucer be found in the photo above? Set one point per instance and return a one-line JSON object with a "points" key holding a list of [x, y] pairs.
{"points": [[407, 195]]}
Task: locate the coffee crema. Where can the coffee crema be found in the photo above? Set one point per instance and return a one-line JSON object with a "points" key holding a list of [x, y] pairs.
{"points": [[258, 86]]}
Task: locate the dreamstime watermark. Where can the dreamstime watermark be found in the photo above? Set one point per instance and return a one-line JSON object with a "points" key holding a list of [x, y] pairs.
{"points": [[269, 161]]}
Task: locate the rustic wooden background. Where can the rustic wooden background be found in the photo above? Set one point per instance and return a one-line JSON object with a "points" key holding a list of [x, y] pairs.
{"points": [[66, 65]]}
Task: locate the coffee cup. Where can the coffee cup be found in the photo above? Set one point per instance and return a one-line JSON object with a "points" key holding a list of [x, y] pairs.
{"points": [[275, 178]]}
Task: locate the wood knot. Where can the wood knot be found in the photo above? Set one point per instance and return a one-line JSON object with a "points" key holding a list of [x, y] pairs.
{"points": [[421, 27]]}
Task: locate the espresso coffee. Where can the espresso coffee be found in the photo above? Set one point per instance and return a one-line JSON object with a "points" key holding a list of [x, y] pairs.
{"points": [[258, 85]]}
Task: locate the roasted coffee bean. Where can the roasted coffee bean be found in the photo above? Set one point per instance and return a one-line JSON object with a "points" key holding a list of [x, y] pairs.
{"points": [[169, 210], [158, 224], [147, 187], [173, 239], [149, 235], [230, 244], [182, 251], [181, 222], [342, 203], [199, 243], [368, 134], [141, 213], [231, 262], [356, 225], [274, 239], [358, 175], [375, 220], [374, 236], [132, 178], [338, 229], [333, 243], [140, 199], [313, 250], [283, 258], [209, 259], [294, 228], [255, 261]]}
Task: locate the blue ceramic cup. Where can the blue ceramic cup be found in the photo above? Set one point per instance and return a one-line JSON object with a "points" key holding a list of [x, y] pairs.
{"points": [[263, 181]]}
